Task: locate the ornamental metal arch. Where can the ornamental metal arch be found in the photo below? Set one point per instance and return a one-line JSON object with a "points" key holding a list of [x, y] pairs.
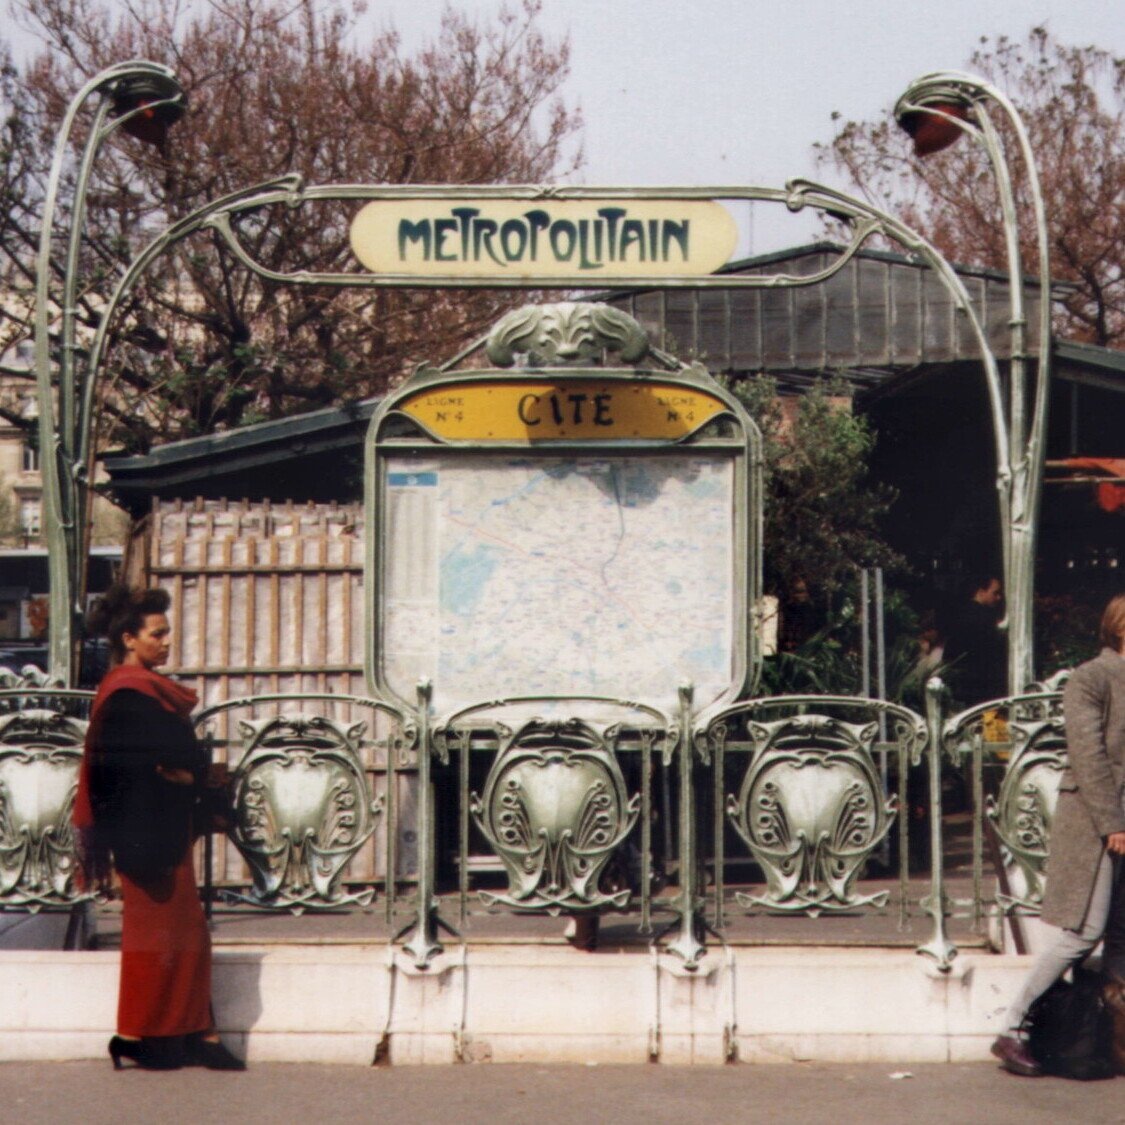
{"points": [[928, 99], [861, 220]]}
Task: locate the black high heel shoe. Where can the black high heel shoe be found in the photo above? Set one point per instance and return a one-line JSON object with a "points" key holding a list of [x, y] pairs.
{"points": [[148, 1054], [210, 1053]]}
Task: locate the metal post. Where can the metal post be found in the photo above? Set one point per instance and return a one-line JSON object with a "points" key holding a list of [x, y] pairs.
{"points": [[647, 739], [687, 945], [422, 944], [881, 694], [718, 804], [864, 634], [880, 651], [939, 947], [665, 817], [393, 750]]}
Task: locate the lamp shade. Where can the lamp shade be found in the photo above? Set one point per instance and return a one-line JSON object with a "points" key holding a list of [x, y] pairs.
{"points": [[149, 94], [934, 127]]}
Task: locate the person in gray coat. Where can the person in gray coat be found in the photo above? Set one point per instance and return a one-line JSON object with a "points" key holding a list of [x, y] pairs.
{"points": [[1088, 833]]}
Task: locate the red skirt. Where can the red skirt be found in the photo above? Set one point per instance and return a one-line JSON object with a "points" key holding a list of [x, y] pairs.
{"points": [[165, 956]]}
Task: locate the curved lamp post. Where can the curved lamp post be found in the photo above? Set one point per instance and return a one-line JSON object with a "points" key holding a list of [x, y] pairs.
{"points": [[935, 111], [143, 99]]}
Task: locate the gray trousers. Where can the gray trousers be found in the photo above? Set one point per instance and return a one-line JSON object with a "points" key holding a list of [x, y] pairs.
{"points": [[1065, 948]]}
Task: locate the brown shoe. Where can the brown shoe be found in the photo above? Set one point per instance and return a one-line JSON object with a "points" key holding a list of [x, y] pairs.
{"points": [[1015, 1057]]}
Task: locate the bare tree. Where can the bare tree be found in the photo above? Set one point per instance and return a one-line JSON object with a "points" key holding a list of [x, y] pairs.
{"points": [[273, 87], [1073, 102]]}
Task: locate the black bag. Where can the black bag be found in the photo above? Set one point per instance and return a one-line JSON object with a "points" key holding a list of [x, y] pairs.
{"points": [[214, 810], [1070, 1029]]}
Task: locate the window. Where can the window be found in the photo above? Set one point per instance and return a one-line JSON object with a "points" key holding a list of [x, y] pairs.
{"points": [[30, 516], [30, 458]]}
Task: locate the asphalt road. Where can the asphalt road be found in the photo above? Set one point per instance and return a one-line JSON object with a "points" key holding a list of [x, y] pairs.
{"points": [[92, 1094]]}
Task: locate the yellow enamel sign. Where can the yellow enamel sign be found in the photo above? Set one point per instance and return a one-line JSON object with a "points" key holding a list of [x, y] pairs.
{"points": [[550, 238], [533, 411]]}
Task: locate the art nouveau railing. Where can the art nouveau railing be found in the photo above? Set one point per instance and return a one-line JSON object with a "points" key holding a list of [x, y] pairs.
{"points": [[576, 807], [42, 729], [1013, 752], [808, 801], [559, 793], [800, 780], [303, 796]]}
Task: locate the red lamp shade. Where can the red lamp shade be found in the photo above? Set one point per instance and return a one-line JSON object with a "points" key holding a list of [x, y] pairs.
{"points": [[149, 95], [931, 129]]}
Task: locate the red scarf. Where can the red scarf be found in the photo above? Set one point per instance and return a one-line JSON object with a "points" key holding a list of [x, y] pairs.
{"points": [[173, 697]]}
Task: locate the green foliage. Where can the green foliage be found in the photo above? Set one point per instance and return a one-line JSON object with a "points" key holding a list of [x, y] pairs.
{"points": [[830, 661], [824, 664], [821, 527], [1066, 632], [821, 511]]}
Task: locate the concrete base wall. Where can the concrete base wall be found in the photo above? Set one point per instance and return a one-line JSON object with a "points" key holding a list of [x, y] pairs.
{"points": [[497, 1003]]}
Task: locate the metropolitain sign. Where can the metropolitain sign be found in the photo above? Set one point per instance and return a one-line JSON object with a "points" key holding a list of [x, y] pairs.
{"points": [[551, 238]]}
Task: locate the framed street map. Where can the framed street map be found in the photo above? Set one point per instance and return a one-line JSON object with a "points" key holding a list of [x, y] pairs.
{"points": [[559, 575]]}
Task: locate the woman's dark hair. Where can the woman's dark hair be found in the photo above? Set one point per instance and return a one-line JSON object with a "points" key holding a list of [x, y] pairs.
{"points": [[1112, 632], [121, 610]]}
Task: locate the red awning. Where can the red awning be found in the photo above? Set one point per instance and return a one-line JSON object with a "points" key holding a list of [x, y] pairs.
{"points": [[1109, 493]]}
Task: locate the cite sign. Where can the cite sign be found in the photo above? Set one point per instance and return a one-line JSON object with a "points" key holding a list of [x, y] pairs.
{"points": [[529, 410], [551, 238]]}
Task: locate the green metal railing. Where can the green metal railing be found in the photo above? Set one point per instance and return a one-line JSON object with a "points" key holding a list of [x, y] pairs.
{"points": [[584, 805], [1012, 752], [42, 728], [303, 795]]}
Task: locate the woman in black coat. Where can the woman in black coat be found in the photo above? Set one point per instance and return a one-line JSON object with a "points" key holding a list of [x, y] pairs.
{"points": [[143, 778]]}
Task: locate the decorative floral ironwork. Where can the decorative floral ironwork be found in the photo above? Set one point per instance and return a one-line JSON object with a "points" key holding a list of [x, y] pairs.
{"points": [[1023, 810], [40, 755], [554, 809], [30, 677], [811, 806], [566, 332], [302, 810]]}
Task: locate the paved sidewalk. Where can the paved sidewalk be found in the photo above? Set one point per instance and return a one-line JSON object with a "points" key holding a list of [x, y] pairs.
{"points": [[93, 1094]]}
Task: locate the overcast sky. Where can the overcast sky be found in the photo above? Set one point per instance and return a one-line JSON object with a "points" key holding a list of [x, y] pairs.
{"points": [[718, 92], [737, 91]]}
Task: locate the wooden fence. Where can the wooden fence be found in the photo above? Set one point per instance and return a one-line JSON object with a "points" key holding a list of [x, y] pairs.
{"points": [[266, 599]]}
